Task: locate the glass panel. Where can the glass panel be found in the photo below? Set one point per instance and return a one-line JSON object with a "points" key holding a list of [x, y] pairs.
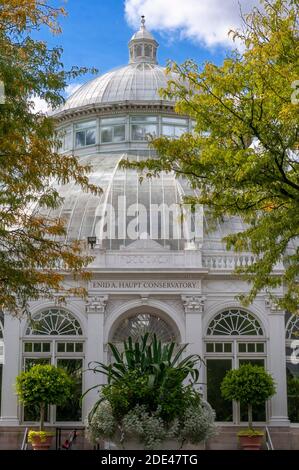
{"points": [[84, 125], [80, 139], [260, 347], [144, 118], [227, 347], [46, 347], [210, 347], [216, 370], [251, 347], [242, 347], [37, 347], [28, 347], [116, 120], [174, 120], [141, 132], [218, 347], [72, 410], [79, 347], [119, 134], [178, 131], [106, 134], [31, 413], [258, 412], [148, 50], [90, 137], [292, 371], [60, 347], [168, 131], [70, 347], [138, 51]]}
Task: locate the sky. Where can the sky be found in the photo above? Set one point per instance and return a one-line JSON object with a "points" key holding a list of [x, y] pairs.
{"points": [[95, 33]]}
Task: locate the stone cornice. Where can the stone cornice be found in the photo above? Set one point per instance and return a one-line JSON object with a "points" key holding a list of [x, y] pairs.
{"points": [[106, 109]]}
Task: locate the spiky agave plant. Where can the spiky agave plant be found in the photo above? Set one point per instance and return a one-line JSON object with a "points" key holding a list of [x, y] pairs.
{"points": [[159, 363]]}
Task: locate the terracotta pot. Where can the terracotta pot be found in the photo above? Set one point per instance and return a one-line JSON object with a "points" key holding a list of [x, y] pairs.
{"points": [[38, 444], [251, 442]]}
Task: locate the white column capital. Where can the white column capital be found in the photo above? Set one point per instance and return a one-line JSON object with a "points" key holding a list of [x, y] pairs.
{"points": [[96, 304], [272, 305], [193, 303]]}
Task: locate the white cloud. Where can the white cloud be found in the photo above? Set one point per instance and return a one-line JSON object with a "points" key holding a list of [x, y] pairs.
{"points": [[39, 105], [205, 21], [71, 88]]}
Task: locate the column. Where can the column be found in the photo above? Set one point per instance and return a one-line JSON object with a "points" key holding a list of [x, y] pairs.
{"points": [[95, 308], [194, 308], [277, 364], [9, 405]]}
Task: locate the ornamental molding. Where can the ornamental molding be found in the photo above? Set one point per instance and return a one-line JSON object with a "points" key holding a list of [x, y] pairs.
{"points": [[106, 109], [193, 303], [96, 304]]}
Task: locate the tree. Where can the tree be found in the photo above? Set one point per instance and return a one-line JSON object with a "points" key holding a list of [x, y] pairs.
{"points": [[243, 154], [44, 385], [30, 244], [250, 385]]}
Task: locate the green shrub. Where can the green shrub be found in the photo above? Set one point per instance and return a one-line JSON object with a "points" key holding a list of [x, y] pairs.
{"points": [[149, 396], [250, 385], [44, 385]]}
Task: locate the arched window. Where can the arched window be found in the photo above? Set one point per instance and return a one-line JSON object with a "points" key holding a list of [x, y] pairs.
{"points": [[233, 337], [234, 322], [137, 325], [148, 50], [292, 366], [54, 321], [138, 50], [54, 336]]}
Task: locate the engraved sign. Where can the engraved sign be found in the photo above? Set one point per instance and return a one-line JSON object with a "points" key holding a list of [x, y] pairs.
{"points": [[129, 285]]}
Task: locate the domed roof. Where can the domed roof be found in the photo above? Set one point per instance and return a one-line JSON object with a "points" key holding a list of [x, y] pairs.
{"points": [[143, 33], [112, 216], [134, 82], [141, 80]]}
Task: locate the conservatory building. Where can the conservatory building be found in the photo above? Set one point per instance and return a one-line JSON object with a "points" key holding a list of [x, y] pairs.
{"points": [[157, 267]]}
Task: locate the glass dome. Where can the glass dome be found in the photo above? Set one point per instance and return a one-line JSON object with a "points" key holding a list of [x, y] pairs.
{"points": [[102, 135]]}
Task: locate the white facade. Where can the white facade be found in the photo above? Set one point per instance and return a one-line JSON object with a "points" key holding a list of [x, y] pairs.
{"points": [[180, 286]]}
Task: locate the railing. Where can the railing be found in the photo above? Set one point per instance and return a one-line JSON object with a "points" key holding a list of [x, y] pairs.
{"points": [[25, 440], [269, 443], [228, 262]]}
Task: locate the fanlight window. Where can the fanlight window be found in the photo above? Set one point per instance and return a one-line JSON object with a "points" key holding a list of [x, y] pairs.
{"points": [[137, 325], [234, 322], [54, 321], [292, 328]]}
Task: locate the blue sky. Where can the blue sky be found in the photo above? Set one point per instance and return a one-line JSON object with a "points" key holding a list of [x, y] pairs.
{"points": [[96, 32]]}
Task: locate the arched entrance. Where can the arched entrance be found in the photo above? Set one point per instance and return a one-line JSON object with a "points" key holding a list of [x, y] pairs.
{"points": [[141, 320]]}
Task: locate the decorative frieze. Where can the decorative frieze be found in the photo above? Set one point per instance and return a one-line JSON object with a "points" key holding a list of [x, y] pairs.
{"points": [[193, 303], [96, 304]]}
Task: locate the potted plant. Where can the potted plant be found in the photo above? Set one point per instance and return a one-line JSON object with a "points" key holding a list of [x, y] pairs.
{"points": [[147, 402], [250, 385], [43, 385]]}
